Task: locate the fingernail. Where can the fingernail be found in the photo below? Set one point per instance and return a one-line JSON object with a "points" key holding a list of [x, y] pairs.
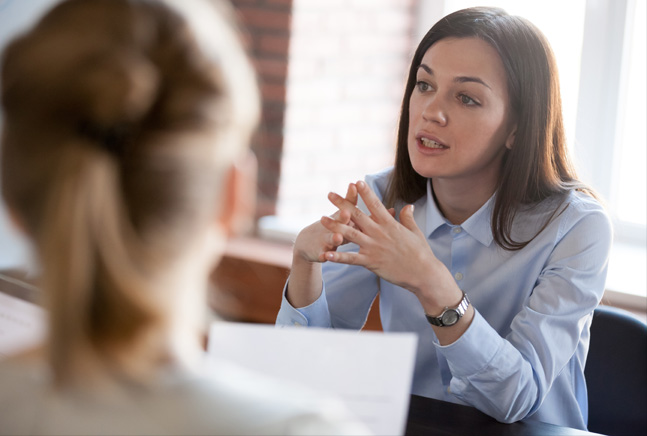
{"points": [[360, 184], [412, 207], [329, 256]]}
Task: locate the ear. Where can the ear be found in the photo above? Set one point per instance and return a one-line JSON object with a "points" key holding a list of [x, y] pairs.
{"points": [[510, 139], [236, 214]]}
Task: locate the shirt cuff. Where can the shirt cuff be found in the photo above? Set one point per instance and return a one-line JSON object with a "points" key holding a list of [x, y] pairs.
{"points": [[314, 315], [474, 350]]}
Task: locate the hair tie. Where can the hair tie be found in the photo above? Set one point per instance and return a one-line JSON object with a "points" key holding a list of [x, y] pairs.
{"points": [[111, 139]]}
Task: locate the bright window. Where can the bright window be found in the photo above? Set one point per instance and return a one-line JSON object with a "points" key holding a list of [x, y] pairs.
{"points": [[629, 192]]}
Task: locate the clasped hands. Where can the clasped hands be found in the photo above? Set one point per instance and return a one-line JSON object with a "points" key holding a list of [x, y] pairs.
{"points": [[396, 251]]}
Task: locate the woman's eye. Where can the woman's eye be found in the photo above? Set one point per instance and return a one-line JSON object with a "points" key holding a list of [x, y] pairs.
{"points": [[467, 101], [423, 86]]}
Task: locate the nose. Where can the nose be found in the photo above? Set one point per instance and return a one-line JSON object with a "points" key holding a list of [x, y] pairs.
{"points": [[434, 111]]}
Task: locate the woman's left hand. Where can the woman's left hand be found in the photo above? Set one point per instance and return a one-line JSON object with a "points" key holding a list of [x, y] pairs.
{"points": [[396, 251]]}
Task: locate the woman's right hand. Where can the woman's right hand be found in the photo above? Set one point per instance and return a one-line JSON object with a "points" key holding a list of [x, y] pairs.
{"points": [[315, 240], [310, 248], [305, 283]]}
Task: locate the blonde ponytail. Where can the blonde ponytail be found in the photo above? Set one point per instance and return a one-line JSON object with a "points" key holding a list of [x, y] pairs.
{"points": [[95, 288]]}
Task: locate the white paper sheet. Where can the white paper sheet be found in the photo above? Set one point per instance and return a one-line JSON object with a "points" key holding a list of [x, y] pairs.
{"points": [[22, 325], [371, 372]]}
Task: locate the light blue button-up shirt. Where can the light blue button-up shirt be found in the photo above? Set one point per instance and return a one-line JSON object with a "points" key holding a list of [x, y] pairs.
{"points": [[524, 353]]}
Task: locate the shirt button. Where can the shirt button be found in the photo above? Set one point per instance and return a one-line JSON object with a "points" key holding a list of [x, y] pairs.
{"points": [[457, 230], [297, 324], [458, 276]]}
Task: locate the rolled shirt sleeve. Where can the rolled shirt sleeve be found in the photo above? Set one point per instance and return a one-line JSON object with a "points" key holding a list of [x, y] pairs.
{"points": [[314, 315]]}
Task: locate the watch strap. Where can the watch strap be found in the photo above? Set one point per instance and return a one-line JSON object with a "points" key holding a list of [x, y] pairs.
{"points": [[459, 310]]}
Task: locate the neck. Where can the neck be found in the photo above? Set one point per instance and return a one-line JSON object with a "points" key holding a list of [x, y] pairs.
{"points": [[185, 324], [176, 340], [459, 200]]}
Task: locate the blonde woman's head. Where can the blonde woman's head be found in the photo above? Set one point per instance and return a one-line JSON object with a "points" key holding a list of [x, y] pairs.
{"points": [[123, 120]]}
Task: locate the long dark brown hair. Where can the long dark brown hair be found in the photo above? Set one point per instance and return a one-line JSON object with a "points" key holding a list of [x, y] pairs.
{"points": [[537, 166]]}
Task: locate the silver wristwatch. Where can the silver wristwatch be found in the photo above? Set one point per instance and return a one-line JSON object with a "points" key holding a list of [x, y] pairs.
{"points": [[449, 316]]}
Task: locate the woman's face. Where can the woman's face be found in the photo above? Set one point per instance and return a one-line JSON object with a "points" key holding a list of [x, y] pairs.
{"points": [[459, 121]]}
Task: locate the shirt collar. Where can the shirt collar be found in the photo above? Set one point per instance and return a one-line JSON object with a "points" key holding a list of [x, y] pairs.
{"points": [[435, 218], [477, 226]]}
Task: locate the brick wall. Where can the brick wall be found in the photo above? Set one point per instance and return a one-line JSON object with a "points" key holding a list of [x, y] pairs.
{"points": [[266, 25], [348, 60], [332, 74]]}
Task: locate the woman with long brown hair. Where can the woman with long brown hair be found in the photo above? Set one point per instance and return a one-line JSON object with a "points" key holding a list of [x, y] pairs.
{"points": [[480, 239], [124, 149]]}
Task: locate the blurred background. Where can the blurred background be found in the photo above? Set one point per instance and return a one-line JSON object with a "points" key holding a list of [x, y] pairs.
{"points": [[332, 75]]}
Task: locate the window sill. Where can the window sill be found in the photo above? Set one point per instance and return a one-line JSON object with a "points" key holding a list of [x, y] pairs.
{"points": [[626, 281]]}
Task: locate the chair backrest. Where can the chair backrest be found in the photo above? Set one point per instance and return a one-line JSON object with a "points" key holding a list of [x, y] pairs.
{"points": [[616, 373]]}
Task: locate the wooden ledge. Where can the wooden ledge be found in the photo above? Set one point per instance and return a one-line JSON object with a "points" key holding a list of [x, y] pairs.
{"points": [[263, 251]]}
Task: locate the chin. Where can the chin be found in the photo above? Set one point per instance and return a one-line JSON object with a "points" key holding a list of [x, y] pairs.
{"points": [[425, 171]]}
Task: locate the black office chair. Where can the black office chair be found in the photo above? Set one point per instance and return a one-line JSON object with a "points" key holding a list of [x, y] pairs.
{"points": [[616, 373]]}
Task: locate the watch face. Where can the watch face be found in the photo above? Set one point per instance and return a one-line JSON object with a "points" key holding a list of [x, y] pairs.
{"points": [[450, 317]]}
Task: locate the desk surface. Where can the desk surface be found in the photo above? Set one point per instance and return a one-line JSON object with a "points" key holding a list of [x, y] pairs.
{"points": [[428, 416]]}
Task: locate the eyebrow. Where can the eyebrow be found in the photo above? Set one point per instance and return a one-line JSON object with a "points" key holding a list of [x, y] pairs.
{"points": [[459, 79]]}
